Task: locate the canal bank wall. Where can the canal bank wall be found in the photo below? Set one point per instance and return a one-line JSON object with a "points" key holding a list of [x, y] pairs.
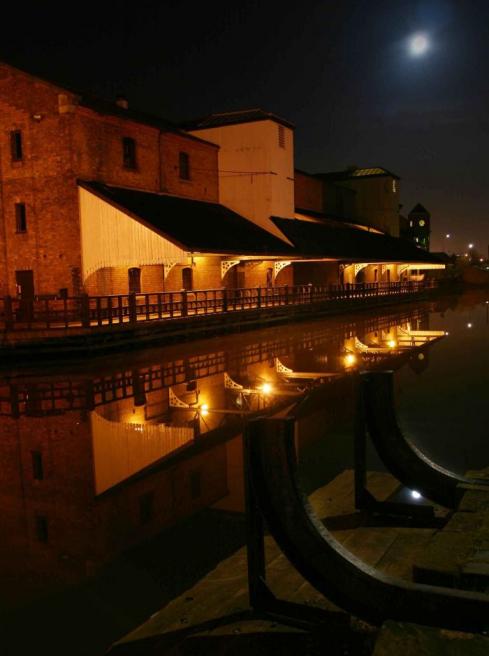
{"points": [[77, 342]]}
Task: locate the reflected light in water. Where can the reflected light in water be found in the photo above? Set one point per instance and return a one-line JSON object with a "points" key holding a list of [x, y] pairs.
{"points": [[350, 360], [469, 325], [204, 409], [392, 343], [267, 388]]}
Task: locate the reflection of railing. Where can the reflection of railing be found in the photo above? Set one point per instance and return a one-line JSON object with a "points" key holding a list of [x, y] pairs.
{"points": [[129, 309], [44, 397]]}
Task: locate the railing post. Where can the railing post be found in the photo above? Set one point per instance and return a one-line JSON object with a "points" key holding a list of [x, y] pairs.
{"points": [[258, 297], [286, 294], [224, 299], [131, 302], [184, 303], [9, 315], [85, 310]]}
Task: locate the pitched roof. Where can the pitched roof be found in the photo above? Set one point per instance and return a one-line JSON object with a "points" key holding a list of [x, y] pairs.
{"points": [[419, 209], [234, 118], [336, 219], [350, 244], [348, 174], [111, 108], [193, 225]]}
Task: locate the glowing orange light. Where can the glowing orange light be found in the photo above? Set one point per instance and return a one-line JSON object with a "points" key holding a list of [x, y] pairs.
{"points": [[266, 388], [204, 410], [392, 343], [350, 360]]}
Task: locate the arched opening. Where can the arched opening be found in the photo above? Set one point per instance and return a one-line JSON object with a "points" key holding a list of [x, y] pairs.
{"points": [[187, 278], [360, 278], [134, 278]]}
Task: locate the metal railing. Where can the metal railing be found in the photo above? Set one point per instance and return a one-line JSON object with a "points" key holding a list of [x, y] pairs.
{"points": [[85, 311]]}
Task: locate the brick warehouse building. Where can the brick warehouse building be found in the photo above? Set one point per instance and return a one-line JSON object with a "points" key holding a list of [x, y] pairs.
{"points": [[98, 198]]}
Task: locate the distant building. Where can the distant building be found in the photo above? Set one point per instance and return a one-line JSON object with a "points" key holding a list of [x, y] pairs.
{"points": [[418, 228]]}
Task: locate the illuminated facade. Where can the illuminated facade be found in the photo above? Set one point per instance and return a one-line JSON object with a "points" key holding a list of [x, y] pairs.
{"points": [[103, 200]]}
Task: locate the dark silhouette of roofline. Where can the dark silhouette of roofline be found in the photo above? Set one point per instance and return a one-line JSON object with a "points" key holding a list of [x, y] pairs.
{"points": [[221, 119], [110, 108]]}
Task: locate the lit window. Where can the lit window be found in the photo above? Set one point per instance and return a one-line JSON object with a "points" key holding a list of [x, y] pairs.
{"points": [[421, 222], [20, 218], [416, 239], [410, 224], [184, 166], [281, 136], [128, 153], [394, 186], [16, 146]]}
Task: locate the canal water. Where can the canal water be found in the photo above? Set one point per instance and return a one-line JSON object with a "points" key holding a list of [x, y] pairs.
{"points": [[122, 483]]}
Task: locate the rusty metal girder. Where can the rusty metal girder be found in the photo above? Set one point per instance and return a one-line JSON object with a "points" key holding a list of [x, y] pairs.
{"points": [[398, 453], [342, 577]]}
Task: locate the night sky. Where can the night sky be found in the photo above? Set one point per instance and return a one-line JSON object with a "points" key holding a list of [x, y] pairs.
{"points": [[340, 71]]}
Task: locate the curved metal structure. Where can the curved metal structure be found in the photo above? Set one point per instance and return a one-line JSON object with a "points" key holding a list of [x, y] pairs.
{"points": [[324, 562], [401, 457]]}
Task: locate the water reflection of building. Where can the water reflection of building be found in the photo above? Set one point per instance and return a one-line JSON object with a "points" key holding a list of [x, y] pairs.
{"points": [[93, 464]]}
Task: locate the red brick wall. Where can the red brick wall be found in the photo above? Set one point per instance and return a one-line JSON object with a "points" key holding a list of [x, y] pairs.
{"points": [[44, 181], [308, 192], [317, 273], [203, 183], [63, 142], [98, 150]]}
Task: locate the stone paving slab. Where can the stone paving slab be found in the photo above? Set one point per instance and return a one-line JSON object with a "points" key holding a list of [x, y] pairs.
{"points": [[458, 555], [475, 500], [442, 560], [224, 590], [403, 639]]}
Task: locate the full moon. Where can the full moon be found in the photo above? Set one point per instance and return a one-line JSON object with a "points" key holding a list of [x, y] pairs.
{"points": [[418, 45]]}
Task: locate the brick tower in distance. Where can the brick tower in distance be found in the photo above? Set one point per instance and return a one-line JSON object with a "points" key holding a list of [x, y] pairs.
{"points": [[420, 226]]}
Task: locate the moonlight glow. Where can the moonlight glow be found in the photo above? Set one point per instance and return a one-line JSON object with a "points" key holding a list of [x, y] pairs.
{"points": [[418, 45]]}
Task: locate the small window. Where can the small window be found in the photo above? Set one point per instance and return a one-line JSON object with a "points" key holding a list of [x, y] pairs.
{"points": [[20, 218], [16, 145], [281, 136], [134, 275], [422, 222], [146, 507], [37, 467], [394, 186], [129, 153], [184, 166], [42, 528]]}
